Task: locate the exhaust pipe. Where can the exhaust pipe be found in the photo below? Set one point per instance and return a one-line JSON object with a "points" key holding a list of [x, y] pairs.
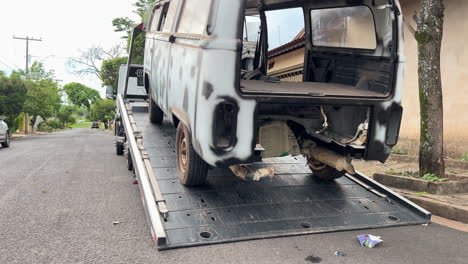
{"points": [[326, 156]]}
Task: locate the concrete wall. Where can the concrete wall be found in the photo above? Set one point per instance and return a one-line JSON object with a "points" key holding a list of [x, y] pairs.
{"points": [[454, 66]]}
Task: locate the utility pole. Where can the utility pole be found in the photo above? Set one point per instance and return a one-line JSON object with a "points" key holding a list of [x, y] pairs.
{"points": [[27, 39]]}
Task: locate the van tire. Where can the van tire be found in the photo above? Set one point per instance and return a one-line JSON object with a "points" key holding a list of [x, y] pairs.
{"points": [[156, 115], [327, 174], [191, 168], [6, 143]]}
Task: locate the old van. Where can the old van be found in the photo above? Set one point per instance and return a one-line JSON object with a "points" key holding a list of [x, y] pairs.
{"points": [[212, 67]]}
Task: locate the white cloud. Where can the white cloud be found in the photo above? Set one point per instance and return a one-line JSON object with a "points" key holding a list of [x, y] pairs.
{"points": [[65, 26]]}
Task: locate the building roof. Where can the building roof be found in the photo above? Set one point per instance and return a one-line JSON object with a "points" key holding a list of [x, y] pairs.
{"points": [[297, 43]]}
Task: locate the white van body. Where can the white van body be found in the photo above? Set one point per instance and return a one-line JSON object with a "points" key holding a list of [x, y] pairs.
{"points": [[193, 71]]}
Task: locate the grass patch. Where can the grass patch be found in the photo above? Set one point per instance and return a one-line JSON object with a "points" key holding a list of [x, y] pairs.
{"points": [[399, 151], [432, 177], [392, 171], [421, 193], [82, 125], [464, 157], [415, 174]]}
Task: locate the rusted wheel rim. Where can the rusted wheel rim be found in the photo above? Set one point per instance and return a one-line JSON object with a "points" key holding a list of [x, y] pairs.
{"points": [[182, 153]]}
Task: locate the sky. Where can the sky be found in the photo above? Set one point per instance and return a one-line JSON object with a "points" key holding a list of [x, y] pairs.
{"points": [[65, 27]]}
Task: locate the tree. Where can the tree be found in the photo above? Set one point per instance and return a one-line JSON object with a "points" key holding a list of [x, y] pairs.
{"points": [[110, 72], [103, 110], [12, 97], [90, 60], [429, 34], [42, 97], [81, 95], [66, 114], [126, 25]]}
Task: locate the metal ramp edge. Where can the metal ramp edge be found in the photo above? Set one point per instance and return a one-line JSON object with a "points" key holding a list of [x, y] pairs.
{"points": [[185, 217]]}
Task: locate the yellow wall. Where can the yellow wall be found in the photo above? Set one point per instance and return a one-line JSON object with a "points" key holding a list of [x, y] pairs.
{"points": [[454, 65]]}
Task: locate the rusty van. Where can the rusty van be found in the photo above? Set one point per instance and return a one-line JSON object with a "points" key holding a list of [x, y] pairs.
{"points": [[244, 80]]}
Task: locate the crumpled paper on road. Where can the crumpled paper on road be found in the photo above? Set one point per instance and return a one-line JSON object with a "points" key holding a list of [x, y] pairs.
{"points": [[369, 241]]}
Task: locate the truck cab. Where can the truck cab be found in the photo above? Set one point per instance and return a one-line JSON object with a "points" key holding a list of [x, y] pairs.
{"points": [[214, 69]]}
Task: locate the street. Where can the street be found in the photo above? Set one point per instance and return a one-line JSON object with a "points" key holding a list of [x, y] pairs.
{"points": [[60, 194]]}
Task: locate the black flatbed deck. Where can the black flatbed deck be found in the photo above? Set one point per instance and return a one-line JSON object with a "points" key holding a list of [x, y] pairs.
{"points": [[228, 209]]}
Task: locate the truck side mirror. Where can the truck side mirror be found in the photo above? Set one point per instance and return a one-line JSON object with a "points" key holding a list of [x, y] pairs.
{"points": [[110, 92]]}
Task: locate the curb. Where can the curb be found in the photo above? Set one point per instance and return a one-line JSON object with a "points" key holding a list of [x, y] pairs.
{"points": [[420, 185], [443, 209], [448, 162]]}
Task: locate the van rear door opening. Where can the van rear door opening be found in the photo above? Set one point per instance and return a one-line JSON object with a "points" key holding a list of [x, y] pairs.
{"points": [[335, 52]]}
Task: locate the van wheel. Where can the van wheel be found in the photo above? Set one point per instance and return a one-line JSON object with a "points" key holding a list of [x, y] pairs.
{"points": [[156, 115], [191, 169], [327, 173], [6, 143]]}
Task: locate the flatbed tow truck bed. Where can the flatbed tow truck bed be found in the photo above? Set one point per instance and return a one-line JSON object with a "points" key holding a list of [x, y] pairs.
{"points": [[228, 209]]}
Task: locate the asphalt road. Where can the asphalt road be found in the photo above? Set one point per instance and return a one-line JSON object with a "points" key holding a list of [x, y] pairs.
{"points": [[60, 193]]}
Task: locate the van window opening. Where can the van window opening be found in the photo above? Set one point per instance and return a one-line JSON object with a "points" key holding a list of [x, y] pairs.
{"points": [[331, 56], [155, 19], [346, 27], [163, 16], [194, 16]]}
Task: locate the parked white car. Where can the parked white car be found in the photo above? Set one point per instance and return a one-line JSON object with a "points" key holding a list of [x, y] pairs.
{"points": [[4, 133]]}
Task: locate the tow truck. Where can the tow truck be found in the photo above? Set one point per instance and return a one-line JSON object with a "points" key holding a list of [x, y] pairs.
{"points": [[227, 208]]}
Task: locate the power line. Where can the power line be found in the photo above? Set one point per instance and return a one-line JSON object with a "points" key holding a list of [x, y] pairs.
{"points": [[7, 65], [7, 60]]}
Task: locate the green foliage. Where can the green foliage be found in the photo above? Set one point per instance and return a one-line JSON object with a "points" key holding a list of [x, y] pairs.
{"points": [[123, 24], [42, 98], [464, 157], [138, 49], [66, 114], [126, 25], [143, 7], [81, 95], [423, 38], [399, 151], [12, 97], [82, 125], [102, 110], [432, 177], [110, 72], [408, 173], [50, 125], [421, 193]]}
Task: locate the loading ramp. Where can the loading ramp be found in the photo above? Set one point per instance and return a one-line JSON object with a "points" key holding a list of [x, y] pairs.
{"points": [[228, 209]]}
